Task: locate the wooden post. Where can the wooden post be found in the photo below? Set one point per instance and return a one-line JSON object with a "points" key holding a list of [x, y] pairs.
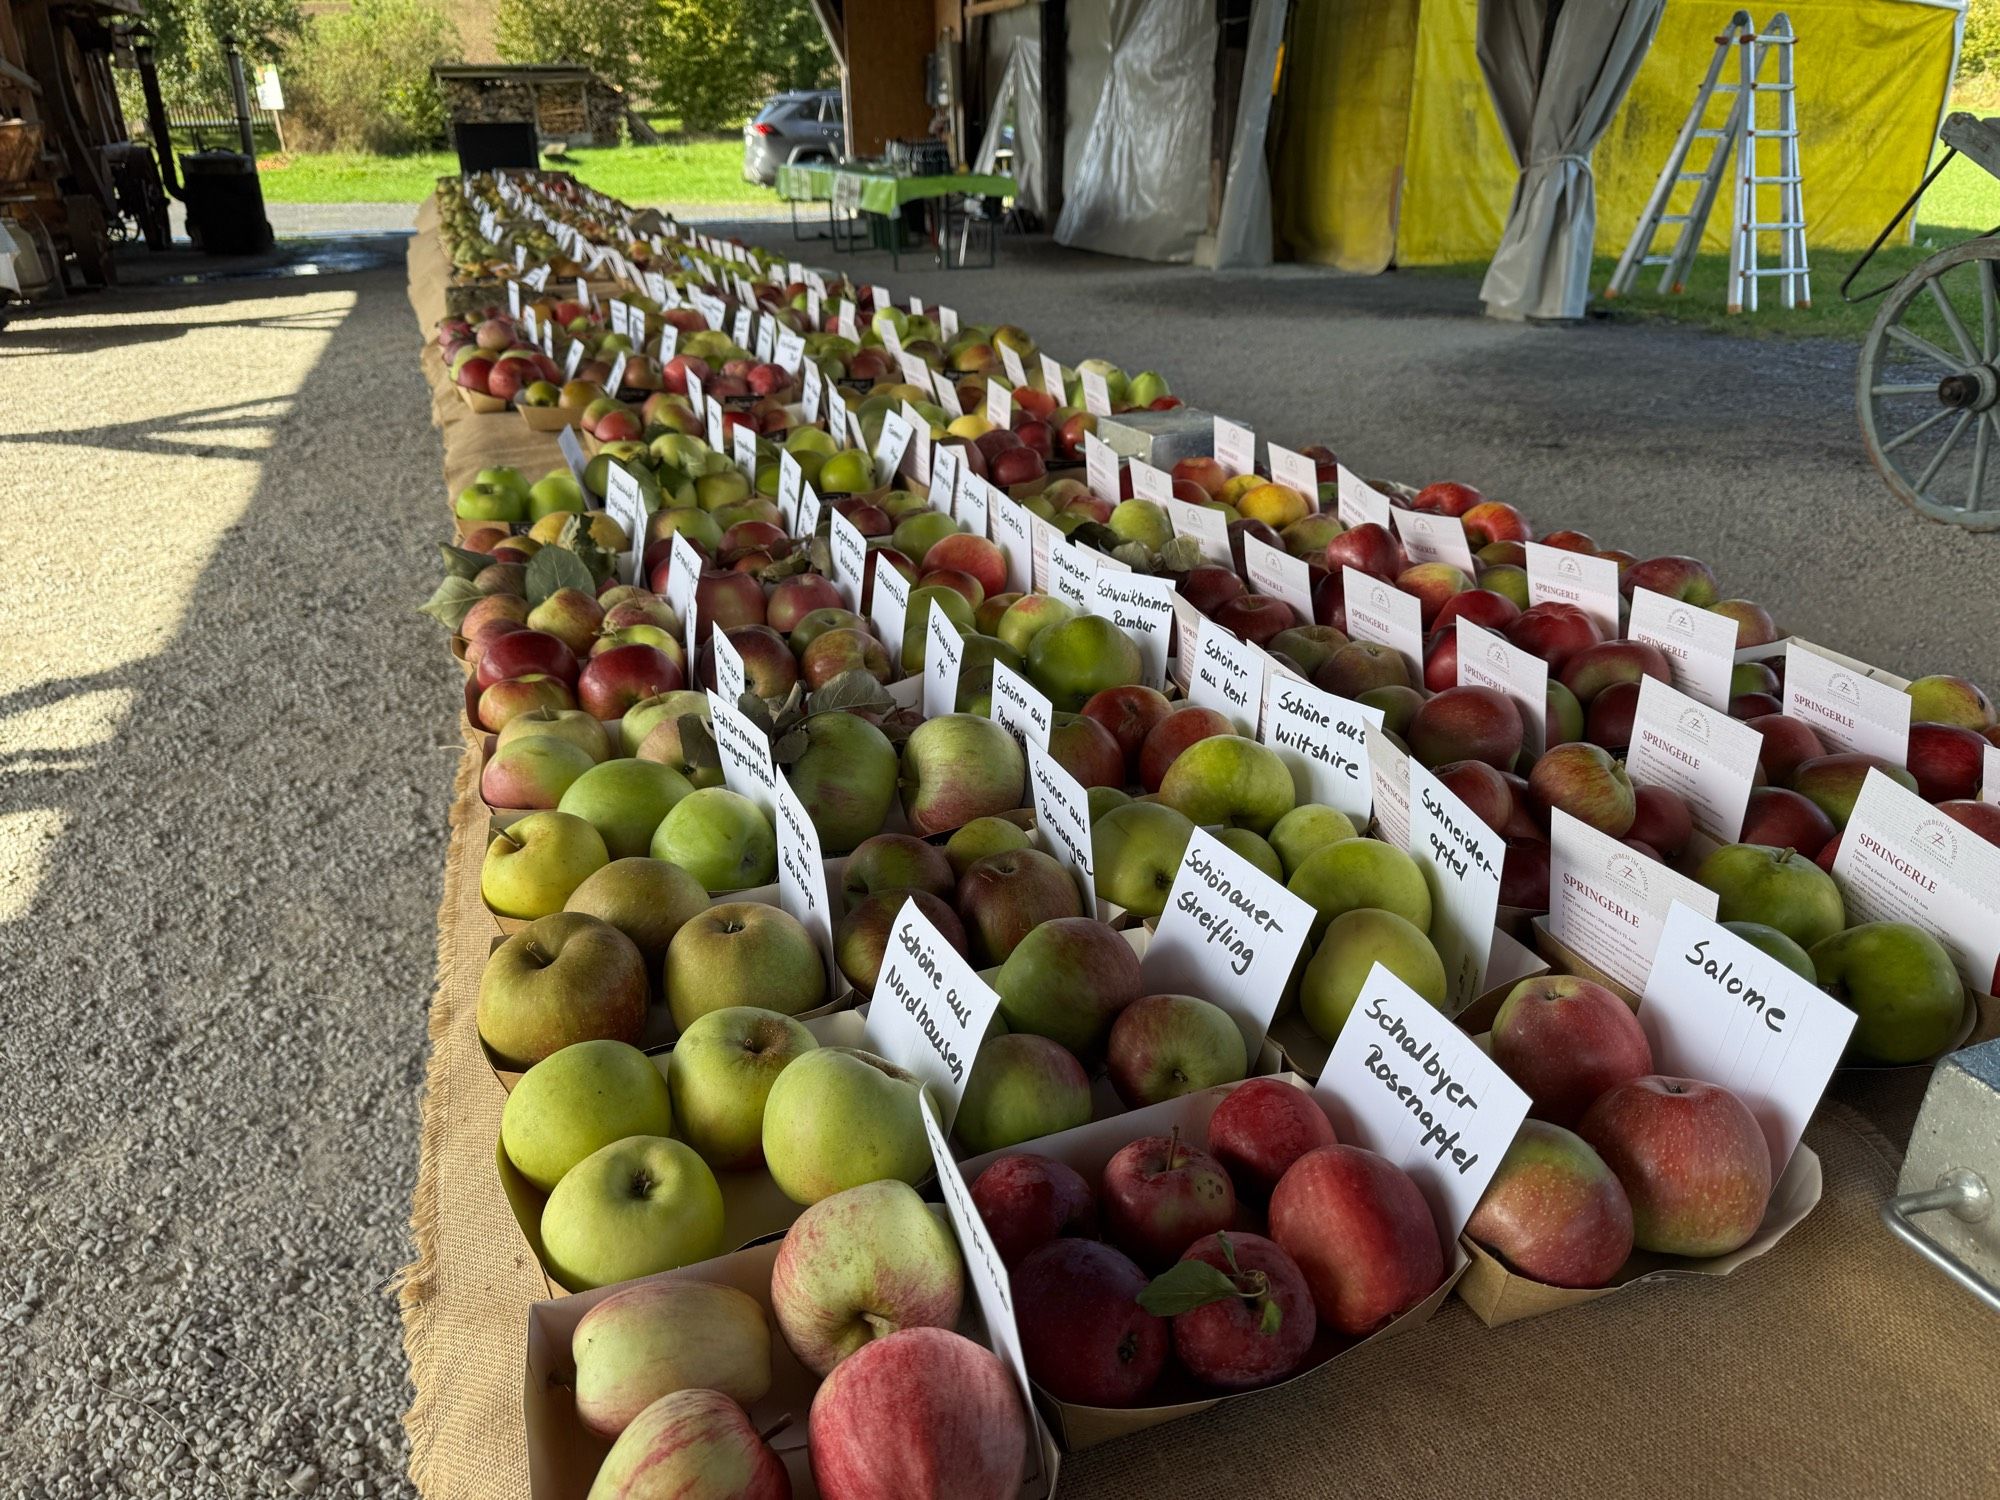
{"points": [[1055, 103]]}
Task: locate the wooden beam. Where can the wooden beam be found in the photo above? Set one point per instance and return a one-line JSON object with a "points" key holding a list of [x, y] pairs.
{"points": [[1054, 102]]}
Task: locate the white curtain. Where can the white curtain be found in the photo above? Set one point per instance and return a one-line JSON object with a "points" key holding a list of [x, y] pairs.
{"points": [[1019, 100], [1243, 228], [1555, 100]]}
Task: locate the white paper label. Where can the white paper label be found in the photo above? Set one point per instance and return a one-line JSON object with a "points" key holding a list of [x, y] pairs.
{"points": [[1429, 538], [944, 655], [1208, 527], [802, 887], [1901, 860], [1045, 538], [850, 557], [1020, 708], [1323, 739], [1141, 605], [717, 439], [697, 394], [812, 392], [947, 322], [1235, 447], [1274, 571], [1989, 784], [743, 440], [844, 322], [1389, 782], [1072, 571], [790, 352], [889, 607], [1608, 903], [890, 446], [1052, 378], [809, 514], [1490, 661], [1294, 471], [991, 1288], [625, 504], [1096, 394], [1589, 583], [572, 359], [1700, 645], [1360, 503], [747, 769], [1228, 934], [1100, 467], [947, 394], [999, 404], [1062, 813], [915, 371], [514, 295], [1382, 613], [1014, 534], [839, 422], [683, 573], [790, 478], [1228, 677], [1405, 1083], [767, 339], [1461, 858], [968, 499], [730, 679], [670, 343], [930, 1010], [1150, 483], [1010, 361], [1847, 709], [1718, 1009], [1706, 757]]}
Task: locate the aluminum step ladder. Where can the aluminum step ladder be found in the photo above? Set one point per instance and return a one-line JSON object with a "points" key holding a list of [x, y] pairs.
{"points": [[1792, 271]]}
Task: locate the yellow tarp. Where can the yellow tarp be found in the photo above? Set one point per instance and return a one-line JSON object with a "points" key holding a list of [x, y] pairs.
{"points": [[1395, 152]]}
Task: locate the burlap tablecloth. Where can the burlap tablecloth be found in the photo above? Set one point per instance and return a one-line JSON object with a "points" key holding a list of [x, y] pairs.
{"points": [[1835, 1365]]}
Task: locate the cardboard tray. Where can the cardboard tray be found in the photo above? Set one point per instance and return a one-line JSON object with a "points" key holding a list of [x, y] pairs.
{"points": [[549, 418], [1087, 1148], [563, 1455]]}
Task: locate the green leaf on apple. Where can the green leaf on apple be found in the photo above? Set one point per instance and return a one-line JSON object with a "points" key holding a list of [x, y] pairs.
{"points": [[698, 744], [1182, 555], [1184, 1286], [854, 688], [1135, 555], [452, 601], [462, 562], [556, 568]]}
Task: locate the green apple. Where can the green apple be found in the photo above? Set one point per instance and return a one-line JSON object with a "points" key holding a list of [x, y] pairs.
{"points": [[648, 714], [721, 839], [554, 492], [584, 730], [1028, 616], [850, 472], [646, 899], [1066, 980], [1022, 1087], [846, 778], [957, 768], [1350, 874], [984, 836], [811, 440], [534, 863], [1103, 799], [690, 1443], [1900, 981], [625, 800], [839, 1117], [1163, 1046], [725, 487], [1142, 521], [743, 953], [1074, 660], [560, 980], [916, 620], [1774, 944], [818, 622], [1147, 387], [656, 1337], [1306, 828], [1780, 888], [579, 1099], [1136, 853], [1254, 849], [1399, 705], [920, 531], [633, 1208], [1355, 942], [722, 1069], [1307, 646], [1228, 778]]}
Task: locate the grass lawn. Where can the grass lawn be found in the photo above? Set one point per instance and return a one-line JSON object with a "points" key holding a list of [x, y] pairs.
{"points": [[680, 172]]}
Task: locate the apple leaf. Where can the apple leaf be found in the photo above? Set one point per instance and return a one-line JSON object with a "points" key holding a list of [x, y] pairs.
{"points": [[462, 562], [1184, 1286], [790, 747], [1182, 555], [1135, 555], [1096, 536], [698, 744], [854, 688], [785, 567], [555, 568], [452, 601]]}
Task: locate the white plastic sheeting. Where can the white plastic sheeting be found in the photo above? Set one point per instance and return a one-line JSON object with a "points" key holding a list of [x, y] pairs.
{"points": [[1140, 186], [1243, 228], [1019, 99], [1554, 110]]}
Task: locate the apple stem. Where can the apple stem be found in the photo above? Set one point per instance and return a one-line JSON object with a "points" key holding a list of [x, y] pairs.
{"points": [[776, 1427], [1174, 1157]]}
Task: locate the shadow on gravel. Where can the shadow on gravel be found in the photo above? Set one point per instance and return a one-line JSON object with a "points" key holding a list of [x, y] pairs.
{"points": [[36, 334], [215, 998]]}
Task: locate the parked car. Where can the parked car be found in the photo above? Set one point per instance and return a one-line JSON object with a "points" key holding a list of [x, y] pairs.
{"points": [[791, 128]]}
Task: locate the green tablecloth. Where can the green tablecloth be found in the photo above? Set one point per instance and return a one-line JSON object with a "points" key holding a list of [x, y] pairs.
{"points": [[882, 192]]}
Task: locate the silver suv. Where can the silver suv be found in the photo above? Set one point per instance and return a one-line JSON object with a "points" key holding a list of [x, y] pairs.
{"points": [[790, 128]]}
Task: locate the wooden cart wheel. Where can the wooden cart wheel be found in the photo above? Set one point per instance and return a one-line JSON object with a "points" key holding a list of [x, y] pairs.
{"points": [[1929, 384]]}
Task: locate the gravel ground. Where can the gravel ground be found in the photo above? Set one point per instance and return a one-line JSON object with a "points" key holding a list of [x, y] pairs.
{"points": [[222, 833]]}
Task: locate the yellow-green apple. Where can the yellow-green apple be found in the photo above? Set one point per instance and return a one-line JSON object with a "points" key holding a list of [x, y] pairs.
{"points": [[1684, 578], [839, 1117], [625, 800], [1026, 1201], [861, 940], [1900, 981], [1260, 1129], [1142, 521], [1002, 897], [555, 493], [1253, 848], [578, 1099], [720, 838], [1691, 1158], [1172, 735], [1248, 1322], [1833, 782], [648, 713], [916, 620], [486, 502], [505, 576], [1210, 586], [1773, 943], [1555, 632], [615, 680], [667, 743], [721, 1070], [1067, 980], [1595, 668], [1510, 581], [1163, 1046], [1076, 658], [964, 584], [1662, 821], [1563, 714], [1554, 1212], [1307, 537], [1309, 827], [691, 1443], [570, 615], [1947, 760], [742, 953], [920, 531], [897, 862], [656, 636], [1468, 723], [1788, 744], [1399, 705], [1941, 699], [646, 899], [520, 653], [1230, 779], [1022, 1087], [658, 1337], [1136, 853], [835, 652], [1084, 748], [533, 864], [1084, 1336], [811, 627], [1362, 666], [1357, 873], [1362, 1234], [1306, 647], [1588, 784], [981, 837], [532, 772], [1354, 943], [638, 1206], [921, 1411], [562, 979], [572, 724], [845, 776], [1565, 1041], [1158, 1195], [1103, 799], [957, 768]]}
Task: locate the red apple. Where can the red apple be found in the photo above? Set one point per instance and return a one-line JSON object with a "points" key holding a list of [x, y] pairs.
{"points": [[1209, 586], [1585, 782], [1203, 471], [520, 652], [1481, 606], [1608, 722], [1085, 748], [1467, 723], [1780, 818], [1367, 548], [1570, 541], [1159, 1195], [1565, 1041], [624, 675], [1524, 874], [1361, 1232], [1481, 788], [1492, 521], [1948, 761], [1173, 734], [1661, 820], [1027, 1201], [1555, 632], [1691, 1157], [1788, 744], [1084, 1336], [1754, 705], [1595, 668], [1130, 714], [1754, 625], [792, 599], [973, 555], [1260, 1128], [1983, 818], [1446, 499], [513, 696], [1554, 1212], [1441, 662], [1015, 466], [1258, 1323], [1257, 618], [1687, 579], [726, 600]]}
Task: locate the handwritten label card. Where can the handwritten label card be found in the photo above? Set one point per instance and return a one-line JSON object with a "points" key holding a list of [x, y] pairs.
{"points": [[1209, 528], [625, 503], [999, 404], [716, 437], [944, 654], [683, 573], [1229, 934], [969, 504], [813, 391], [916, 461], [1700, 645], [1989, 785], [747, 769], [791, 352], [808, 520], [1389, 784], [1359, 502], [1100, 467], [743, 441], [1052, 377], [890, 446], [1589, 583], [730, 679], [1705, 756], [1460, 857], [1323, 738], [1405, 1083], [992, 1289], [1723, 1011], [1608, 903], [1062, 814], [1901, 860], [1228, 677], [947, 394], [1274, 571], [1141, 605], [915, 371], [1381, 612], [930, 1011], [850, 557], [1014, 534], [1429, 538], [790, 478], [945, 464], [1010, 361], [1020, 708], [1072, 571], [1235, 447], [1846, 708], [802, 889], [1490, 661], [889, 607]]}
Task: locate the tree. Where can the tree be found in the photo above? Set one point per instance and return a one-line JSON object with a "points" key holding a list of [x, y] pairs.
{"points": [[187, 41], [715, 60], [610, 37], [361, 78]]}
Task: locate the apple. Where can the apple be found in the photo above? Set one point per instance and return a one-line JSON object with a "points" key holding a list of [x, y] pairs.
{"points": [[1136, 854], [1076, 658], [896, 862], [1788, 744], [1554, 1212], [742, 953], [860, 1264], [836, 652], [1026, 1201], [959, 767], [614, 681], [1832, 783], [570, 615], [519, 653], [1367, 548], [1129, 713], [720, 838], [638, 1206], [1901, 982], [1595, 668], [646, 899], [1494, 521], [1524, 874], [1482, 607], [1361, 1233], [769, 668], [1585, 782], [861, 938], [845, 776], [920, 1411], [1002, 897], [1566, 1040], [1163, 1046], [1940, 699], [1209, 586], [1468, 723], [721, 1071], [1661, 819], [981, 837], [694, 1442], [1260, 1129], [1691, 1158], [1306, 647], [726, 600], [1983, 818], [974, 556], [1158, 1195], [1781, 818], [1484, 790], [1203, 471], [533, 864], [1067, 979], [1608, 724], [625, 801], [1684, 578], [1446, 498], [1167, 740], [1084, 1336], [1257, 618], [562, 979], [1230, 779], [571, 724], [1250, 1321], [1350, 874], [580, 1098], [1361, 667], [811, 627], [1084, 748], [839, 1117], [1354, 942], [1022, 1087], [1028, 617], [1433, 583], [1555, 632], [532, 772], [657, 1337], [491, 612], [1947, 761]]}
